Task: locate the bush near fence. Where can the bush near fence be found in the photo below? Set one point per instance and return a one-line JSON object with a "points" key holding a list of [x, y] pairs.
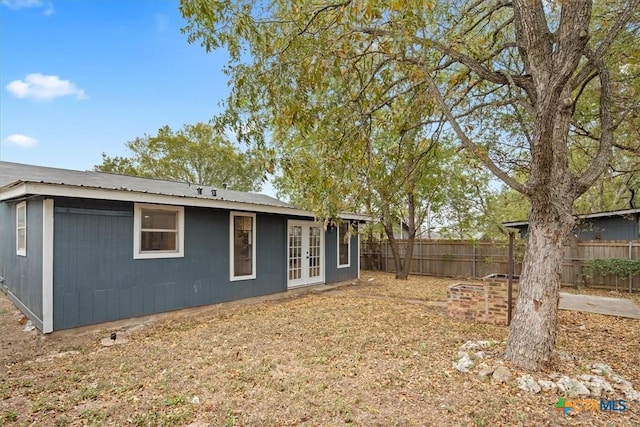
{"points": [[476, 259]]}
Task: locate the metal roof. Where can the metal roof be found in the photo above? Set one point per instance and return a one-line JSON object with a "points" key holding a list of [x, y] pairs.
{"points": [[620, 212], [19, 180]]}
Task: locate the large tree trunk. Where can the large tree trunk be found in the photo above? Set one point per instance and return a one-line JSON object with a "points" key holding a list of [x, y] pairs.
{"points": [[411, 238], [393, 244], [402, 264], [551, 59], [532, 333], [403, 273]]}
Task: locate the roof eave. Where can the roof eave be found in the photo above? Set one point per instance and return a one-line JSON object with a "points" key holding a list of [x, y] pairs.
{"points": [[515, 223], [355, 217], [610, 213], [14, 190], [621, 212], [20, 189]]}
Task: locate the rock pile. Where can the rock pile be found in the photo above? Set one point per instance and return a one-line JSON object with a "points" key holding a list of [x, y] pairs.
{"points": [[602, 383]]}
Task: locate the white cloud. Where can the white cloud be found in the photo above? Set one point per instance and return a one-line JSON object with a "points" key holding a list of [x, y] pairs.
{"points": [[23, 141], [29, 4], [42, 87], [21, 4]]}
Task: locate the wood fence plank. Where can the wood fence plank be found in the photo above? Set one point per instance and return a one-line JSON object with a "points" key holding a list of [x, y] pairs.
{"points": [[459, 258]]}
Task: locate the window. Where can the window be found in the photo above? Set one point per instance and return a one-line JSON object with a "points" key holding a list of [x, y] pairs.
{"points": [[243, 246], [158, 231], [21, 229], [344, 245]]}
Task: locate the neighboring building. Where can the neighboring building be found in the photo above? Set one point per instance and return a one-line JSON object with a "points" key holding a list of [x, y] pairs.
{"points": [[612, 225], [81, 248]]}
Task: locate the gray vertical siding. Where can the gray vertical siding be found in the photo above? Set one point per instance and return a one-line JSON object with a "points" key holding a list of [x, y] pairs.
{"points": [[91, 261], [610, 228], [23, 275], [96, 278], [271, 256], [334, 274]]}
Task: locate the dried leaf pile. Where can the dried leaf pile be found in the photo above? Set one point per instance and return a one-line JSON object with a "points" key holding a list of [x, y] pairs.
{"points": [[316, 359]]}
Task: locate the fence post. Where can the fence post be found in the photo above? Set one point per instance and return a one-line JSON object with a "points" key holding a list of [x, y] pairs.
{"points": [[630, 278], [510, 278], [420, 257], [576, 262], [473, 259], [436, 257], [386, 256]]}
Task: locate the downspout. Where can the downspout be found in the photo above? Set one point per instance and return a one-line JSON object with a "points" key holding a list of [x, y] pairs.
{"points": [[630, 257]]}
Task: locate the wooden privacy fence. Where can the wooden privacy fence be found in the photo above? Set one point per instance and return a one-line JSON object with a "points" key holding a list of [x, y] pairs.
{"points": [[476, 259]]}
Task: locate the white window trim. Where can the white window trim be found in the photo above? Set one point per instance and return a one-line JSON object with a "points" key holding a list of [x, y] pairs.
{"points": [[21, 251], [232, 216], [348, 264], [137, 225]]}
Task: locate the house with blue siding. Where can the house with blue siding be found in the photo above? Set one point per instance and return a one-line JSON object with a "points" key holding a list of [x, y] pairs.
{"points": [[611, 225], [81, 248]]}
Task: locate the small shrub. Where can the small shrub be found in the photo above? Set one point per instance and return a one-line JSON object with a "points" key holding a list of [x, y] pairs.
{"points": [[617, 267], [230, 420], [620, 267], [174, 401], [11, 415]]}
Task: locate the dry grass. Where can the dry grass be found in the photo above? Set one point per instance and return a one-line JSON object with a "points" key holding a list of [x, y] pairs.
{"points": [[330, 358]]}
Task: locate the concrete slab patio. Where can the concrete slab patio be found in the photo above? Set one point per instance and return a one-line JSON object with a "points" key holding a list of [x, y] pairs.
{"points": [[620, 307]]}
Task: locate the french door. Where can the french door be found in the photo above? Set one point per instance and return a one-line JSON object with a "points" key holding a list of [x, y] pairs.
{"points": [[305, 253]]}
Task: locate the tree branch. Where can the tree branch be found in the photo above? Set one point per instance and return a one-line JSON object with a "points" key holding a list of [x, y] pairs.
{"points": [[601, 159], [466, 142], [533, 36], [319, 11], [475, 65], [487, 14], [590, 67]]}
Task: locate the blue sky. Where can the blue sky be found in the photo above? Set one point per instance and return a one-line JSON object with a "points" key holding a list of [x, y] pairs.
{"points": [[79, 78]]}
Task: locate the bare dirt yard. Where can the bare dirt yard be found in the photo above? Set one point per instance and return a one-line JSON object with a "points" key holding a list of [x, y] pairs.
{"points": [[379, 352]]}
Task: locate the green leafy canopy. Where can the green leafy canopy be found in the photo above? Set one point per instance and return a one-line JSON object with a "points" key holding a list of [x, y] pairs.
{"points": [[527, 88], [197, 154]]}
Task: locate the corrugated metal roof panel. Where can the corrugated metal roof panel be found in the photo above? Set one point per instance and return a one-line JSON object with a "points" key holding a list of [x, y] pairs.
{"points": [[17, 172]]}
